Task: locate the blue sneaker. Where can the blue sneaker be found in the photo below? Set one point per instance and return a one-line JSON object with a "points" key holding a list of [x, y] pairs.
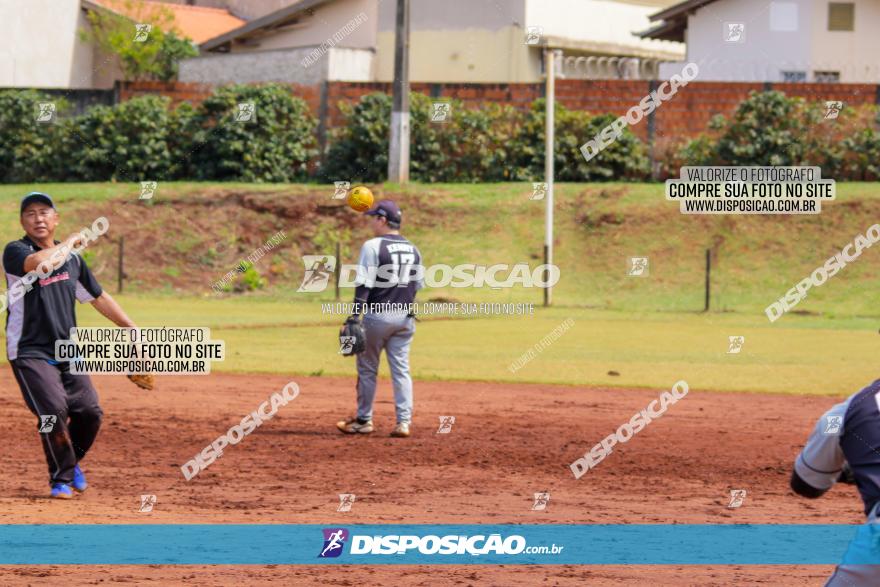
{"points": [[79, 480], [61, 491]]}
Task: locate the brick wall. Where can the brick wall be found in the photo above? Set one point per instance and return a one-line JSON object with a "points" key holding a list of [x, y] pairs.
{"points": [[195, 93], [472, 95], [694, 106], [687, 114], [177, 91]]}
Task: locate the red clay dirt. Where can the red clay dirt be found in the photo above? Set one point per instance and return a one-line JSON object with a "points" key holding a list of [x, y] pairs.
{"points": [[508, 442]]}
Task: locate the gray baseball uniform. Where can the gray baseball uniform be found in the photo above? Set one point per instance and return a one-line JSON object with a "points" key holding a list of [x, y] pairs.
{"points": [[848, 433], [387, 286]]}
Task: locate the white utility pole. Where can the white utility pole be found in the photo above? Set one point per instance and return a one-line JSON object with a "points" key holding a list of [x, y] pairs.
{"points": [[398, 149], [549, 139]]}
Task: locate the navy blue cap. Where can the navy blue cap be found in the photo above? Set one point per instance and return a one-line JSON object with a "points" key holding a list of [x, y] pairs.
{"points": [[34, 197], [387, 209]]}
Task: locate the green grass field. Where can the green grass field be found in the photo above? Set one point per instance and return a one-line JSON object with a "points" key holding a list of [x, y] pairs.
{"points": [[598, 227], [648, 330], [797, 354]]}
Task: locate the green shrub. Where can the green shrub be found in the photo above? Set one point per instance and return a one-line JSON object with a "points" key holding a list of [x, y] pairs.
{"points": [[132, 141], [468, 146], [624, 159], [146, 139], [696, 152], [359, 150], [859, 157], [172, 51], [490, 132], [471, 145], [492, 143], [275, 145], [772, 129], [768, 128], [251, 279], [699, 151], [845, 147], [431, 143], [27, 148], [181, 141]]}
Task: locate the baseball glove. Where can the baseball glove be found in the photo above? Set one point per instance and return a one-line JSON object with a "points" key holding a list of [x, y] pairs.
{"points": [[352, 337], [142, 380]]}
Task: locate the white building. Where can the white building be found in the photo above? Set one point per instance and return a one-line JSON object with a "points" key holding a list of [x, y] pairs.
{"points": [[271, 40], [450, 41], [786, 40], [40, 44]]}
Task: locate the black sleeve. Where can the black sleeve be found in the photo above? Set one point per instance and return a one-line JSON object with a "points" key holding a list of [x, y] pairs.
{"points": [[361, 295], [803, 488], [87, 281], [846, 475], [13, 258]]}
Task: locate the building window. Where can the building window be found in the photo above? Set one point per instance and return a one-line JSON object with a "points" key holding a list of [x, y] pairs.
{"points": [[826, 77], [794, 76], [841, 16]]}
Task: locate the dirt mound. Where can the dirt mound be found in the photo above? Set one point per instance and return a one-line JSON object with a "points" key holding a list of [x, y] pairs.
{"points": [[187, 243]]}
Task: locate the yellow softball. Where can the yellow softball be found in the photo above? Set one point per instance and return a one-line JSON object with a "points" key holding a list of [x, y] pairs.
{"points": [[360, 198]]}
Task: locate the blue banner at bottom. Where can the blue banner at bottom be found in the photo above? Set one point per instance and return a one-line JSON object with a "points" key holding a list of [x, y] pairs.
{"points": [[417, 544]]}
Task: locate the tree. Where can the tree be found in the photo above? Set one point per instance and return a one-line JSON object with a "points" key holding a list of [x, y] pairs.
{"points": [[143, 36]]}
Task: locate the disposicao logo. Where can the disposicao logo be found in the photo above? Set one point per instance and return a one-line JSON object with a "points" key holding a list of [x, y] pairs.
{"points": [[334, 541], [320, 268], [451, 544], [406, 544]]}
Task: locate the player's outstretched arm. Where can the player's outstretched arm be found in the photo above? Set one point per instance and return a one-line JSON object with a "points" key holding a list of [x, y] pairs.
{"points": [[819, 465], [59, 253], [111, 310]]}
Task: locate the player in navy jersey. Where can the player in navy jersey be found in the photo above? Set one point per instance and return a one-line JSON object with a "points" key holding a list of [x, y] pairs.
{"points": [[388, 279], [845, 446], [66, 404]]}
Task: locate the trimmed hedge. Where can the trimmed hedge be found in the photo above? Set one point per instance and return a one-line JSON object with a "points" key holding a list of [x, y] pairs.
{"points": [[770, 128], [27, 149], [274, 145], [623, 160], [494, 143], [132, 141], [147, 139], [359, 150]]}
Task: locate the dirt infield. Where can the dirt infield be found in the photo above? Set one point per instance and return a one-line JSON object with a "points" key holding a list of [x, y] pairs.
{"points": [[508, 442]]}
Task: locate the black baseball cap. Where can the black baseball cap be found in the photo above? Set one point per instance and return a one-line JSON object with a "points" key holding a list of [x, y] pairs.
{"points": [[36, 197], [387, 209]]}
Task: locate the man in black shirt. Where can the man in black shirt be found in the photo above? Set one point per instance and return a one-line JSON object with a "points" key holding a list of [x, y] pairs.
{"points": [[44, 277]]}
